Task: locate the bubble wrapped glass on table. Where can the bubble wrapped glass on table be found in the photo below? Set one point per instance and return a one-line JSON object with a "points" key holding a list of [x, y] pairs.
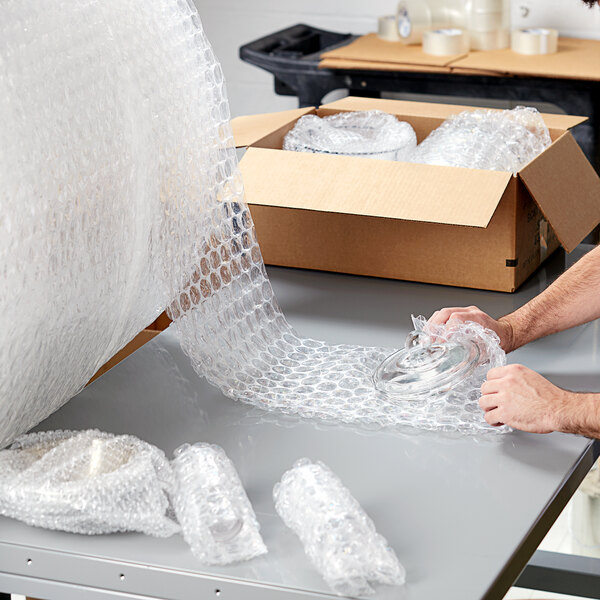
{"points": [[499, 140], [216, 517], [338, 536], [121, 197], [366, 134], [87, 482]]}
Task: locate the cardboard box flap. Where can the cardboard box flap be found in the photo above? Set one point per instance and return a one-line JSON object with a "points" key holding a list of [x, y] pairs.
{"points": [[406, 108], [567, 190], [376, 188], [250, 129]]}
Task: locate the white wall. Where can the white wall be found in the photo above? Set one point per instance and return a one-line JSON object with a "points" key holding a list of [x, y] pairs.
{"points": [[231, 23]]}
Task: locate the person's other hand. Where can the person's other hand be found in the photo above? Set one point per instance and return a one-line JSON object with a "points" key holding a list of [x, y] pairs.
{"points": [[521, 398], [460, 314]]}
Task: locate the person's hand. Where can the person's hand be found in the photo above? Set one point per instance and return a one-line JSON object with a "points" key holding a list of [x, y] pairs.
{"points": [[521, 398], [458, 314]]}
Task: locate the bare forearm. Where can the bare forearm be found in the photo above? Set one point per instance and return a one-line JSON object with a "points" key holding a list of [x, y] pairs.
{"points": [[573, 299], [580, 414]]}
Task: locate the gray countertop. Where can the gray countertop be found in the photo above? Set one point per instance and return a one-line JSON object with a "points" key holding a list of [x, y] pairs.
{"points": [[463, 514]]}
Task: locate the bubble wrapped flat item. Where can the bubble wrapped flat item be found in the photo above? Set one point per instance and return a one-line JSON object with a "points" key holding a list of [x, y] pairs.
{"points": [[369, 134], [216, 517], [338, 536], [121, 197], [486, 139], [87, 482]]}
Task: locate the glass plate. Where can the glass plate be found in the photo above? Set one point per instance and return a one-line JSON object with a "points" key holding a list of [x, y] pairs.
{"points": [[425, 366]]}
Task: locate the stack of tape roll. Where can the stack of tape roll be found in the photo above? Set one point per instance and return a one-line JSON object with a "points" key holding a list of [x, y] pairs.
{"points": [[387, 28], [445, 42], [487, 22], [534, 41]]}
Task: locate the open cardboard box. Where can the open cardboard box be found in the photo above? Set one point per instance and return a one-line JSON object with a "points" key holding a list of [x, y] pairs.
{"points": [[445, 225]]}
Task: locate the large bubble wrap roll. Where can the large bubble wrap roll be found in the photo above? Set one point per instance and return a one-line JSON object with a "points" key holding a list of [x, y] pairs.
{"points": [[122, 196], [338, 536]]}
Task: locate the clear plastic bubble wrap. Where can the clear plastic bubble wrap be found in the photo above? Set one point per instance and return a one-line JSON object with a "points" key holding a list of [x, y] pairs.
{"points": [[338, 536], [496, 140], [87, 482], [216, 517], [121, 197], [370, 134]]}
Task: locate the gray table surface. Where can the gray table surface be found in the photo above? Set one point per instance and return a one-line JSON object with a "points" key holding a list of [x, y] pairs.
{"points": [[463, 515]]}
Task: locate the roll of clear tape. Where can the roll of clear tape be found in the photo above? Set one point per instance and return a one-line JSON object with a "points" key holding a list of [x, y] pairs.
{"points": [[387, 28], [489, 40], [445, 42], [485, 21], [534, 41]]}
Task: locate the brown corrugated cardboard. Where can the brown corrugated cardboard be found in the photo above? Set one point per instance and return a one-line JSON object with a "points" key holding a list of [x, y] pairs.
{"points": [[251, 129], [403, 108], [143, 337], [554, 182], [575, 59], [371, 65], [371, 48], [351, 188], [462, 227]]}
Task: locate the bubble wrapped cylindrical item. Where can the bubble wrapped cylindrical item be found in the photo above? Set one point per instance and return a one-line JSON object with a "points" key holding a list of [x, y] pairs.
{"points": [[216, 517], [498, 140], [87, 482], [368, 134], [338, 536]]}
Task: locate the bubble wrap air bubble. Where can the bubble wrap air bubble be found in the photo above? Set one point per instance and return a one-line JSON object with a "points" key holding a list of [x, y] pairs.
{"points": [[496, 140], [370, 134], [87, 482], [338, 536], [216, 517]]}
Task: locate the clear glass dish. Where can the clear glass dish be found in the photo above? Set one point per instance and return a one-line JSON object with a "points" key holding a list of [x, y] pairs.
{"points": [[426, 366]]}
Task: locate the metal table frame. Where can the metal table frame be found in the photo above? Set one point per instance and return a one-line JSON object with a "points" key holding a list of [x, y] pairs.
{"points": [[297, 74]]}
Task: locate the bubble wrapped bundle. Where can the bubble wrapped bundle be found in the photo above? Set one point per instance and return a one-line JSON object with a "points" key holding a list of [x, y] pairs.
{"points": [[121, 197], [87, 482], [497, 140], [369, 134], [338, 536], [216, 517]]}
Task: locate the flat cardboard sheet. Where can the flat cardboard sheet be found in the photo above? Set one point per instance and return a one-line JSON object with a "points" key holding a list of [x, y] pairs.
{"points": [[375, 188], [357, 65], [575, 59], [373, 49]]}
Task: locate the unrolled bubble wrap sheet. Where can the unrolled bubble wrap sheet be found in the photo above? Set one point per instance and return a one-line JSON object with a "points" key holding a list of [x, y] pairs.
{"points": [[498, 140], [122, 196], [369, 134], [338, 536], [87, 482], [216, 517]]}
